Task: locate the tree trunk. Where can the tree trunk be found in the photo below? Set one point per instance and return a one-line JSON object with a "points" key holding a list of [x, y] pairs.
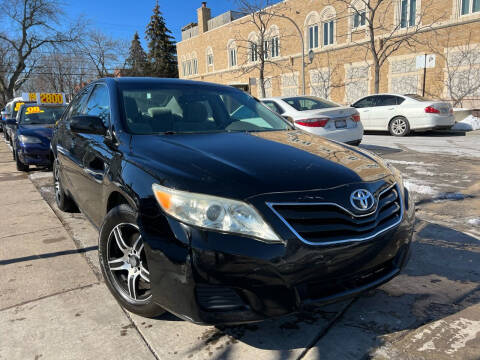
{"points": [[262, 80], [377, 77]]}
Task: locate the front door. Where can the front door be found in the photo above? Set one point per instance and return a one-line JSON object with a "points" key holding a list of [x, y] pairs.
{"points": [[98, 154], [365, 107]]}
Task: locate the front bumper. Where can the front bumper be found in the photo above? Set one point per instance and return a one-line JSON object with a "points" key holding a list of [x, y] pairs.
{"points": [[34, 154], [212, 278]]}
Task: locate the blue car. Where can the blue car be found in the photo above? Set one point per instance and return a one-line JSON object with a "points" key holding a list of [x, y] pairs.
{"points": [[32, 135]]}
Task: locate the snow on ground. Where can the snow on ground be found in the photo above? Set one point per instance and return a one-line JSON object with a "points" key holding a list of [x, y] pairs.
{"points": [[419, 187], [468, 124], [475, 222]]}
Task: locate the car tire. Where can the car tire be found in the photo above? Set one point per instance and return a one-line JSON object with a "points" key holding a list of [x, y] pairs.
{"points": [[20, 165], [399, 126], [124, 264], [64, 202]]}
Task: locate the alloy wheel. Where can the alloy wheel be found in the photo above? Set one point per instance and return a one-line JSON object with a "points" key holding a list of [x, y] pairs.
{"points": [[399, 126], [127, 264]]}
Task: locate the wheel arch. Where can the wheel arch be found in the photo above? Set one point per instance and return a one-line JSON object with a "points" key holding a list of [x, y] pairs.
{"points": [[116, 198]]}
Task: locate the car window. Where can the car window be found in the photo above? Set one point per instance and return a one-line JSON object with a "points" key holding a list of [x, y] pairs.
{"points": [[78, 103], [99, 104], [180, 108], [387, 100], [274, 106], [309, 103], [365, 102]]}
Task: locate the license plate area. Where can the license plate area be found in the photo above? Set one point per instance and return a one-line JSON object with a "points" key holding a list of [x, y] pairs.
{"points": [[340, 124]]}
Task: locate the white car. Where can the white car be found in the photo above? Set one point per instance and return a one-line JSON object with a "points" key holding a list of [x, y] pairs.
{"points": [[320, 117], [400, 114]]}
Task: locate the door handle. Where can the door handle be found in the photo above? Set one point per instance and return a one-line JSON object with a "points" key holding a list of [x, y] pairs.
{"points": [[391, 108]]}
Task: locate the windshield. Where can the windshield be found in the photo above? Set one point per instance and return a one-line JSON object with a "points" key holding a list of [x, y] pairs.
{"points": [[309, 103], [417, 97], [40, 115], [180, 108], [16, 108]]}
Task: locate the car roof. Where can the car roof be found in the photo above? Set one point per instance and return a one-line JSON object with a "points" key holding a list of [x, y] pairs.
{"points": [[166, 81]]}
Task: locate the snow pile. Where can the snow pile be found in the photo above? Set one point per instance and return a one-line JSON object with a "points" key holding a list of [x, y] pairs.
{"points": [[468, 124], [475, 222]]}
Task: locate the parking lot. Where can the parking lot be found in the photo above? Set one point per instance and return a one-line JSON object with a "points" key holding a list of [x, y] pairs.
{"points": [[53, 297]]}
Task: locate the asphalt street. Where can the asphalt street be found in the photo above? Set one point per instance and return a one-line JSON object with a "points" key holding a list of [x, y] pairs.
{"points": [[54, 304]]}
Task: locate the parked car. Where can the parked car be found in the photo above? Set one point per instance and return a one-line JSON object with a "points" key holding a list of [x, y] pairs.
{"points": [[320, 117], [11, 120], [218, 218], [32, 135], [400, 114], [3, 115]]}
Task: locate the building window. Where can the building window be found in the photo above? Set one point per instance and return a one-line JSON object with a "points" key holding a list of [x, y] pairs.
{"points": [[359, 19], [184, 68], [210, 59], [195, 66], [232, 57], [313, 37], [265, 49], [408, 13], [253, 52], [274, 47], [328, 32], [189, 67], [470, 6]]}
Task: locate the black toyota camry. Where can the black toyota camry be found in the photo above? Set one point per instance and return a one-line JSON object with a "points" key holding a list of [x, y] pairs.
{"points": [[214, 208]]}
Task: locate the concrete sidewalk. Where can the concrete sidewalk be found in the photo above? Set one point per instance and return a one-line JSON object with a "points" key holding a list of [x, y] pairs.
{"points": [[52, 304]]}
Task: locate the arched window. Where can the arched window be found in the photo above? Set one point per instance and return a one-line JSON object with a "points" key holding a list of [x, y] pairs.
{"points": [[312, 26], [273, 41], [194, 63], [209, 58], [358, 14], [327, 17], [232, 53], [252, 47]]}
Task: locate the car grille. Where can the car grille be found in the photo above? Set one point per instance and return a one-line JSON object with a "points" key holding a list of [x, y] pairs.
{"points": [[327, 223]]}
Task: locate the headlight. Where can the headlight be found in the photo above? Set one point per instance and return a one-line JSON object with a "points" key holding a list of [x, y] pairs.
{"points": [[29, 139], [212, 212]]}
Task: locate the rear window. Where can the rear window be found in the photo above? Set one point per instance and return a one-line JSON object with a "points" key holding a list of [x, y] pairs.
{"points": [[179, 108], [309, 103], [40, 115], [417, 97]]}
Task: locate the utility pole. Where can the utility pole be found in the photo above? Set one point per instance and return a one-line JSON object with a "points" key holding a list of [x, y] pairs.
{"points": [[424, 75]]}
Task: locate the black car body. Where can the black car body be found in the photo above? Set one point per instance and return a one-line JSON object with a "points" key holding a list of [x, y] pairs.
{"points": [[302, 186], [32, 134]]}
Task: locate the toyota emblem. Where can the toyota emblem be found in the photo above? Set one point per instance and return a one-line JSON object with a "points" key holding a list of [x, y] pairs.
{"points": [[362, 199]]}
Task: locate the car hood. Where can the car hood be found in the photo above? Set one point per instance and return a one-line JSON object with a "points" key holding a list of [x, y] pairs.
{"points": [[40, 131], [240, 165]]}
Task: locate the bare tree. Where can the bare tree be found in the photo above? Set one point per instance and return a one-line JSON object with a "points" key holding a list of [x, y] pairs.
{"points": [[386, 33], [259, 52], [462, 67], [60, 72], [29, 26], [104, 52]]}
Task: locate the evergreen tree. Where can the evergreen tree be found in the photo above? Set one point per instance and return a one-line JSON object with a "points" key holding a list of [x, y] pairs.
{"points": [[162, 52], [137, 58]]}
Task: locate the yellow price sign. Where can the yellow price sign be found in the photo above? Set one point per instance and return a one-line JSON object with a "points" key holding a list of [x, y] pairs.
{"points": [[32, 96], [33, 110], [18, 105], [46, 98]]}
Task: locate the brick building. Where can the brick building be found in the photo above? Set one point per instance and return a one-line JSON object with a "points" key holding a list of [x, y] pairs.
{"points": [[224, 49]]}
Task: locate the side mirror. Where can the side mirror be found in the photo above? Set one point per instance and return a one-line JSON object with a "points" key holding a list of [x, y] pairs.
{"points": [[87, 124], [10, 122]]}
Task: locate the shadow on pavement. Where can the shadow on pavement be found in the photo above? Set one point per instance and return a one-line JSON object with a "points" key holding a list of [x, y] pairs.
{"points": [[48, 255], [441, 279], [381, 150]]}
